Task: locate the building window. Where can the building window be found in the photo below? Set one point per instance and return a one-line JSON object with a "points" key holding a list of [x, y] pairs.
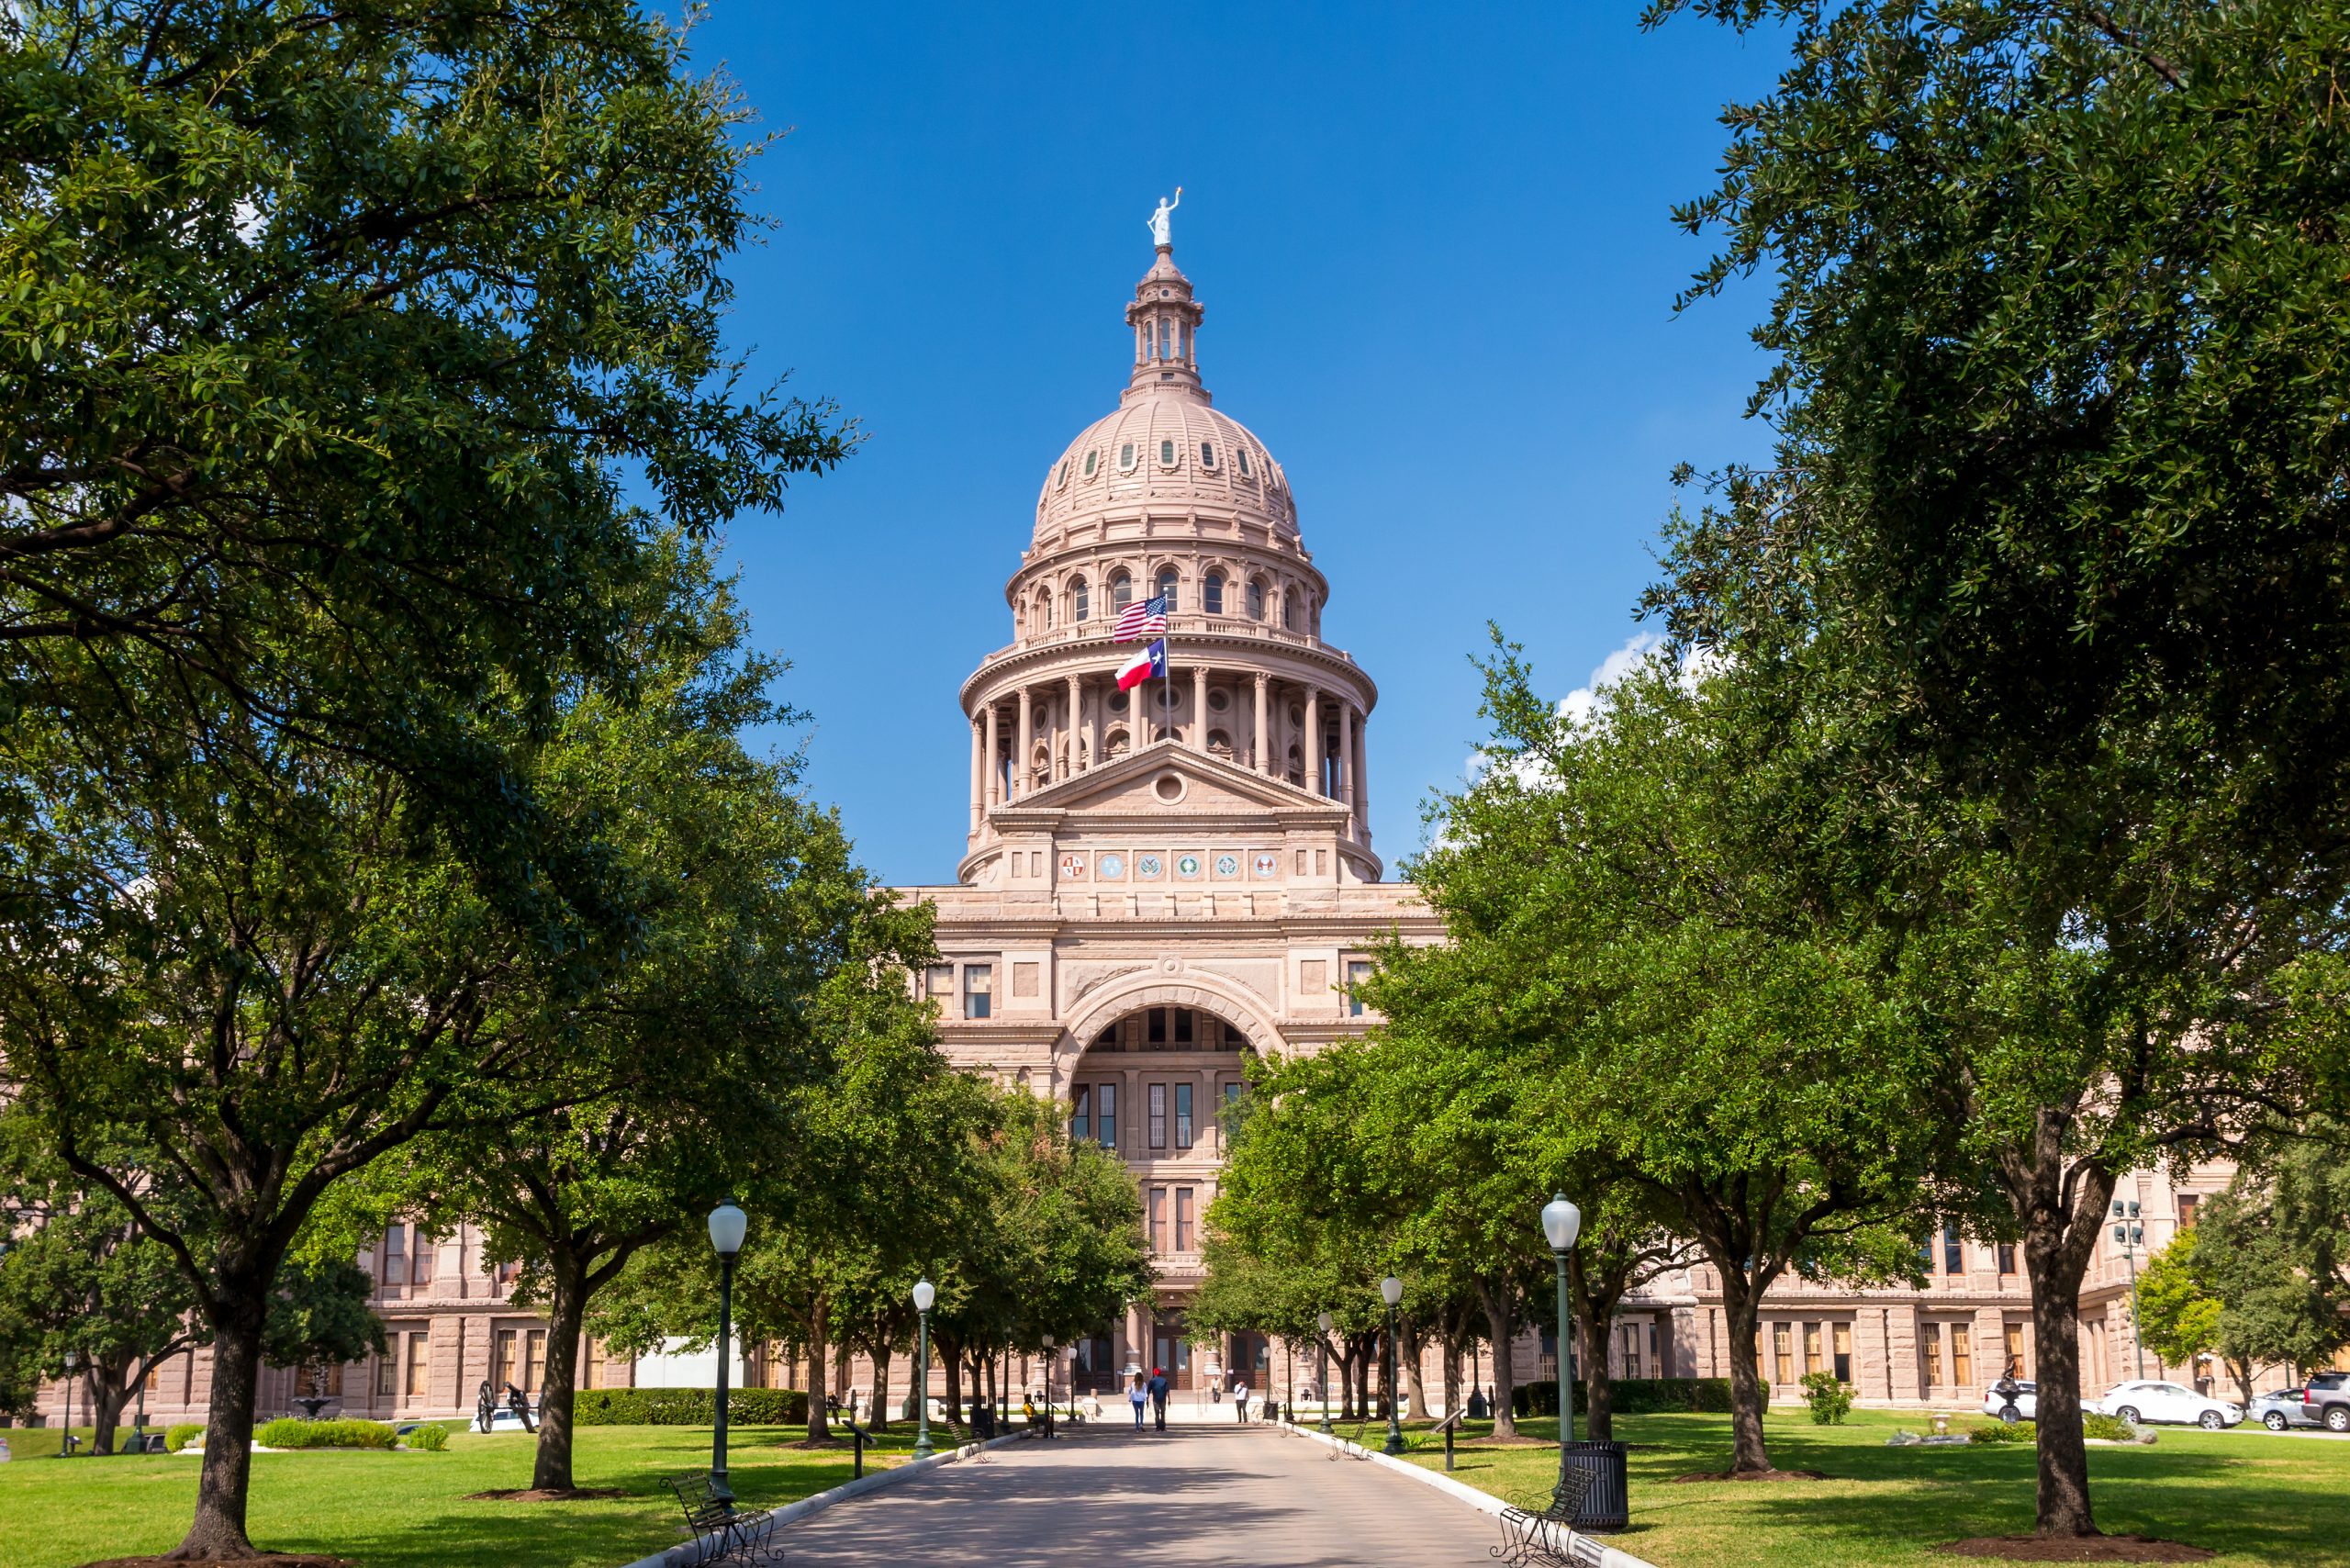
{"points": [[387, 1368], [1929, 1351], [1157, 1107], [1182, 1025], [1256, 601], [1810, 1348], [1208, 455], [1183, 1219], [1953, 1254], [1158, 1219], [1127, 458], [1090, 459], [1122, 591], [1080, 1114], [1183, 1116], [1167, 582], [1105, 1113], [1843, 1343], [2006, 1254], [1081, 601], [1154, 1031], [1244, 462], [1212, 594], [502, 1364], [1962, 1356], [979, 988], [419, 1363], [1062, 483], [938, 982], [396, 1255], [1166, 454], [1357, 971], [2016, 1364], [1045, 610], [2186, 1206], [1782, 1353]]}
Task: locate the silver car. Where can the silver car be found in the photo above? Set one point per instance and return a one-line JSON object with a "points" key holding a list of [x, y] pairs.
{"points": [[2025, 1406], [2280, 1410]]}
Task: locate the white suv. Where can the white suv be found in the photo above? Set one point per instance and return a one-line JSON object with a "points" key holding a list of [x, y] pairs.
{"points": [[2154, 1401]]}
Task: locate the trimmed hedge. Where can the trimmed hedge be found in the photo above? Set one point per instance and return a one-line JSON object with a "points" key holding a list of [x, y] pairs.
{"points": [[1632, 1397], [287, 1432], [431, 1437], [179, 1435], [688, 1406]]}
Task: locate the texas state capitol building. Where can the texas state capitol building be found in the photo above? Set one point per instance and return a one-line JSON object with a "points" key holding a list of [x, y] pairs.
{"points": [[1157, 883]]}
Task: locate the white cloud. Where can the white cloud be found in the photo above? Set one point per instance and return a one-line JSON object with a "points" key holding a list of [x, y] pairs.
{"points": [[1583, 702]]}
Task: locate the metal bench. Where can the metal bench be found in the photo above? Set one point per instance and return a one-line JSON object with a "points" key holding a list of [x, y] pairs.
{"points": [[1548, 1537], [719, 1527]]}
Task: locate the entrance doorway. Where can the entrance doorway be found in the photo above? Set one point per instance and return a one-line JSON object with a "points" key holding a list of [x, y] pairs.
{"points": [[1250, 1357], [1171, 1347]]}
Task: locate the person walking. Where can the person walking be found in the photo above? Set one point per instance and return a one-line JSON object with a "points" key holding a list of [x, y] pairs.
{"points": [[1159, 1386], [1240, 1399], [1135, 1395]]}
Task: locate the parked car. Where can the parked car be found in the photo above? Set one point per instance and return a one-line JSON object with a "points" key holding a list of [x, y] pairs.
{"points": [[2150, 1401], [2281, 1408], [2326, 1399], [2026, 1402]]}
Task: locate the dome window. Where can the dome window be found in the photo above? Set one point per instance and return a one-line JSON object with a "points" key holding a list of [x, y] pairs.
{"points": [[1126, 458], [1044, 609], [1166, 454], [1080, 600], [1166, 581], [1208, 455], [1256, 601], [1212, 594], [1122, 591], [1119, 702], [1064, 479], [1244, 462], [1091, 459]]}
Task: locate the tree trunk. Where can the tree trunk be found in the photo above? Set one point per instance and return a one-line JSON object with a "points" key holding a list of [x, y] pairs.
{"points": [[1452, 1374], [1496, 1297], [217, 1532], [566, 1304], [1741, 1312], [954, 1356], [2056, 1247], [1415, 1382], [110, 1390], [820, 1424], [881, 1385], [1598, 1388]]}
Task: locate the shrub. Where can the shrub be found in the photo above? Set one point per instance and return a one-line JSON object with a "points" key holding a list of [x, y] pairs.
{"points": [[286, 1432], [431, 1437], [1830, 1400], [688, 1406], [178, 1437], [1536, 1396], [2109, 1428], [1631, 1395], [2004, 1432]]}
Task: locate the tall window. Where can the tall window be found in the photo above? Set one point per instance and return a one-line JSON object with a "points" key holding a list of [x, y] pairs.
{"points": [[1844, 1332], [2188, 1203], [420, 1362], [2006, 1254], [1126, 455], [1045, 610], [1782, 1353], [1183, 1116], [1167, 453], [1157, 1093], [1357, 971], [388, 1367], [1182, 1025], [978, 990], [1080, 1114], [1081, 601], [1244, 461], [2015, 1349], [1158, 1219], [1256, 601], [502, 1364], [1183, 1219], [938, 984], [534, 1360], [396, 1255], [1122, 591], [1962, 1356], [1208, 455], [1953, 1254], [1288, 611], [1929, 1350], [423, 1252], [1212, 594], [1810, 1348], [1155, 1028], [1105, 1113], [1166, 581]]}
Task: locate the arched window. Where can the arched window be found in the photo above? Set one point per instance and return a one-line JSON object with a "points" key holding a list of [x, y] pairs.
{"points": [[1257, 599], [1208, 455], [1063, 483], [1044, 609], [1212, 594], [1091, 458], [1220, 745], [1127, 458], [1122, 591], [1244, 462], [1289, 609], [1296, 768], [1165, 338], [1117, 744], [1166, 587], [1080, 600], [1166, 454]]}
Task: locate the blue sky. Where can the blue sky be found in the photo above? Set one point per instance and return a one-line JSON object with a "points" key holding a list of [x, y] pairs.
{"points": [[1433, 247]]}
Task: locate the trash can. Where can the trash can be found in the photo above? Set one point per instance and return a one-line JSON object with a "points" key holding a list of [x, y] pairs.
{"points": [[1607, 1506]]}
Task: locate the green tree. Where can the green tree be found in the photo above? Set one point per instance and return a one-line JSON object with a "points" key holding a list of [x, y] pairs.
{"points": [[2178, 1320], [2047, 561]]}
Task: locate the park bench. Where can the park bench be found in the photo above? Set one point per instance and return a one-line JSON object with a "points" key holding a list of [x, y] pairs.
{"points": [[720, 1528], [1547, 1538]]}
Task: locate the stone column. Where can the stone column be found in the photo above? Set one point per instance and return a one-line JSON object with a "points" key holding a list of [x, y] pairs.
{"points": [[1260, 739], [1093, 725], [1347, 754], [1075, 750], [1363, 780], [978, 774], [1199, 707], [1020, 785], [995, 757], [1313, 747]]}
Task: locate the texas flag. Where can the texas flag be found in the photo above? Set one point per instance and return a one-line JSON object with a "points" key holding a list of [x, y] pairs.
{"points": [[1147, 665]]}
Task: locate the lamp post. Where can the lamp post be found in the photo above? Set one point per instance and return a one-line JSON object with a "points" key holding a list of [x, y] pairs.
{"points": [[1048, 1384], [1391, 1289], [1323, 1321], [65, 1444], [925, 1293], [2129, 1235], [727, 1223], [1561, 1222]]}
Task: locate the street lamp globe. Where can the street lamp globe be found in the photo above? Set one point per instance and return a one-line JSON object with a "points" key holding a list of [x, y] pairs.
{"points": [[727, 1223], [925, 1293], [1390, 1290], [1325, 1320], [1048, 1344], [1561, 1222]]}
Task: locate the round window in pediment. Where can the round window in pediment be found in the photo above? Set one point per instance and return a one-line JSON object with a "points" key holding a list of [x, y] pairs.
{"points": [[1168, 787], [1219, 699]]}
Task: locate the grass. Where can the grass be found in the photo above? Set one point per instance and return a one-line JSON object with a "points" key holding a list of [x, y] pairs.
{"points": [[2252, 1497], [409, 1511]]}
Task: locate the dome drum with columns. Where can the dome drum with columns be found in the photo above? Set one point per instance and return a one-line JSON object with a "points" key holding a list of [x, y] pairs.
{"points": [[1157, 885]]}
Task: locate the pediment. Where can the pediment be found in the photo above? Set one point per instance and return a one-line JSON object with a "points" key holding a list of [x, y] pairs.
{"points": [[1137, 785]]}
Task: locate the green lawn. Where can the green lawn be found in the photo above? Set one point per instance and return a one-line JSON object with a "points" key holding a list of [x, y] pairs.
{"points": [[2253, 1496], [407, 1510]]}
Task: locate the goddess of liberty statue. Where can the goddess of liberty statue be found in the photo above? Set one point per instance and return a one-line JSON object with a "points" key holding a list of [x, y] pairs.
{"points": [[1161, 227]]}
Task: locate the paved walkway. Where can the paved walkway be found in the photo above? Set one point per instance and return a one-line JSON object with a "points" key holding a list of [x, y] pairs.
{"points": [[1198, 1497]]}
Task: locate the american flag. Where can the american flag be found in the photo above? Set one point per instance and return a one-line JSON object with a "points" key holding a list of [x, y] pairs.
{"points": [[1146, 618]]}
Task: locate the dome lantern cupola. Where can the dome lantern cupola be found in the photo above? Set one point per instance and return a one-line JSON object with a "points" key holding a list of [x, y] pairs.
{"points": [[1165, 320]]}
